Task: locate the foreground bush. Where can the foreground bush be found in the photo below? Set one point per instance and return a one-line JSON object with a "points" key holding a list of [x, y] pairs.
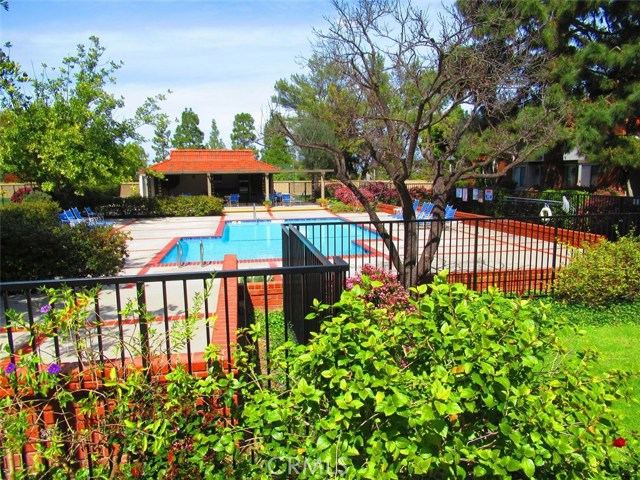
{"points": [[606, 273], [470, 385], [35, 245], [466, 385]]}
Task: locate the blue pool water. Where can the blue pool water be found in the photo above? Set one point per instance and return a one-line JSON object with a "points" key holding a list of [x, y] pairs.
{"points": [[251, 240]]}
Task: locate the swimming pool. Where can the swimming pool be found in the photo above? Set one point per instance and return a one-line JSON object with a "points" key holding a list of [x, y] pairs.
{"points": [[255, 240]]}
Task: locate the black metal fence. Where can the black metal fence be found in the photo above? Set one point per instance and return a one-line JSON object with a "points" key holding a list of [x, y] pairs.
{"points": [[516, 255], [505, 203]]}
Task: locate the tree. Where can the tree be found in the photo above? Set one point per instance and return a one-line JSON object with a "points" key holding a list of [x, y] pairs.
{"points": [[392, 95], [64, 136], [215, 142], [276, 149], [150, 114], [188, 134], [243, 133], [596, 45]]}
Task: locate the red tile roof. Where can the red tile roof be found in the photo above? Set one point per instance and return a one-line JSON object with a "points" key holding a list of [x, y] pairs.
{"points": [[213, 161]]}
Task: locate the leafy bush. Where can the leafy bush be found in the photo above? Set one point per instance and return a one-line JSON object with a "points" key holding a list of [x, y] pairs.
{"points": [[19, 195], [422, 193], [190, 206], [605, 273], [382, 192], [184, 206], [470, 385], [381, 288], [37, 196], [337, 206], [36, 246]]}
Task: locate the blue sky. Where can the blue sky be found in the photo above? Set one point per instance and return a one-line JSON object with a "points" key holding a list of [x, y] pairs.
{"points": [[218, 57]]}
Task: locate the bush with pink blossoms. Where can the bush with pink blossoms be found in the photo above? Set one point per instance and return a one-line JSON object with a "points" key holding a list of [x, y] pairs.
{"points": [[381, 288]]}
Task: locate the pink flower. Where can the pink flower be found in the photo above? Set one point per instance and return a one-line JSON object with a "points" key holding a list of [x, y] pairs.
{"points": [[619, 442], [45, 308]]}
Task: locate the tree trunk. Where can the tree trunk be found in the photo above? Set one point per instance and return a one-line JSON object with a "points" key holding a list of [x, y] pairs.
{"points": [[437, 225], [553, 168]]}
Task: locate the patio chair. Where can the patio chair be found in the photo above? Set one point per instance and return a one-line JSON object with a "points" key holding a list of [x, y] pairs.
{"points": [[78, 216], [234, 199], [449, 213], [68, 218], [95, 218], [286, 199], [397, 212], [425, 211]]}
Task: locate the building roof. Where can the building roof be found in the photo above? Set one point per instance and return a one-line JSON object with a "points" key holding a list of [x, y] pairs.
{"points": [[213, 161]]}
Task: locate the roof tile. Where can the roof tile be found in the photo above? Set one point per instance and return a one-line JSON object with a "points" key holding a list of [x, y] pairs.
{"points": [[213, 161]]}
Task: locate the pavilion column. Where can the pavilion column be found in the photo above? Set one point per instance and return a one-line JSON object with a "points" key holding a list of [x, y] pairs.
{"points": [[267, 186], [322, 185], [208, 184]]}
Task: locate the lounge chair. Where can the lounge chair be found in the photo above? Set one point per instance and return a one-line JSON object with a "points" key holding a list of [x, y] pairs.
{"points": [[425, 211], [92, 215], [93, 219], [234, 199], [286, 199], [68, 218], [397, 212], [449, 213]]}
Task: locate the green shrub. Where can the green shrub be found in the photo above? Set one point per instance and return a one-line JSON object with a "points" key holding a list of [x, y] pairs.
{"points": [[337, 206], [37, 196], [606, 273], [190, 206], [470, 385], [130, 207], [35, 245], [183, 206]]}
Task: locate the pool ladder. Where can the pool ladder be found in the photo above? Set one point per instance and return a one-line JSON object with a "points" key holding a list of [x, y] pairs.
{"points": [[181, 252]]}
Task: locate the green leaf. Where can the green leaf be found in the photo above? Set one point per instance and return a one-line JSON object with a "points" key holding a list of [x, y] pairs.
{"points": [[528, 467]]}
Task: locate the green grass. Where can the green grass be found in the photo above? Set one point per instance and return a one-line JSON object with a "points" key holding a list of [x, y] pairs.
{"points": [[619, 348]]}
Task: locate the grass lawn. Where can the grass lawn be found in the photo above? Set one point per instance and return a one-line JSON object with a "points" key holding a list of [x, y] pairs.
{"points": [[619, 347]]}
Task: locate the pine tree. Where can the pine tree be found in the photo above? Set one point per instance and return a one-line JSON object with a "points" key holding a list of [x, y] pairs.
{"points": [[215, 142], [243, 134], [188, 134]]}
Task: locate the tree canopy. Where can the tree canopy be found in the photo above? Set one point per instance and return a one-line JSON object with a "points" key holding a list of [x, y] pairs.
{"points": [[215, 142], [188, 133], [277, 150], [595, 46], [243, 134], [64, 133], [395, 92]]}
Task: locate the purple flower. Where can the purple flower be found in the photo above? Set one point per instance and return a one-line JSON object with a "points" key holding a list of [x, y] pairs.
{"points": [[10, 369], [53, 369], [45, 308]]}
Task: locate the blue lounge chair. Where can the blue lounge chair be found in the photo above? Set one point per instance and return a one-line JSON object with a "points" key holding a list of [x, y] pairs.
{"points": [[449, 213], [397, 213], [93, 219], [286, 199], [68, 218], [92, 215], [234, 199], [425, 211]]}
